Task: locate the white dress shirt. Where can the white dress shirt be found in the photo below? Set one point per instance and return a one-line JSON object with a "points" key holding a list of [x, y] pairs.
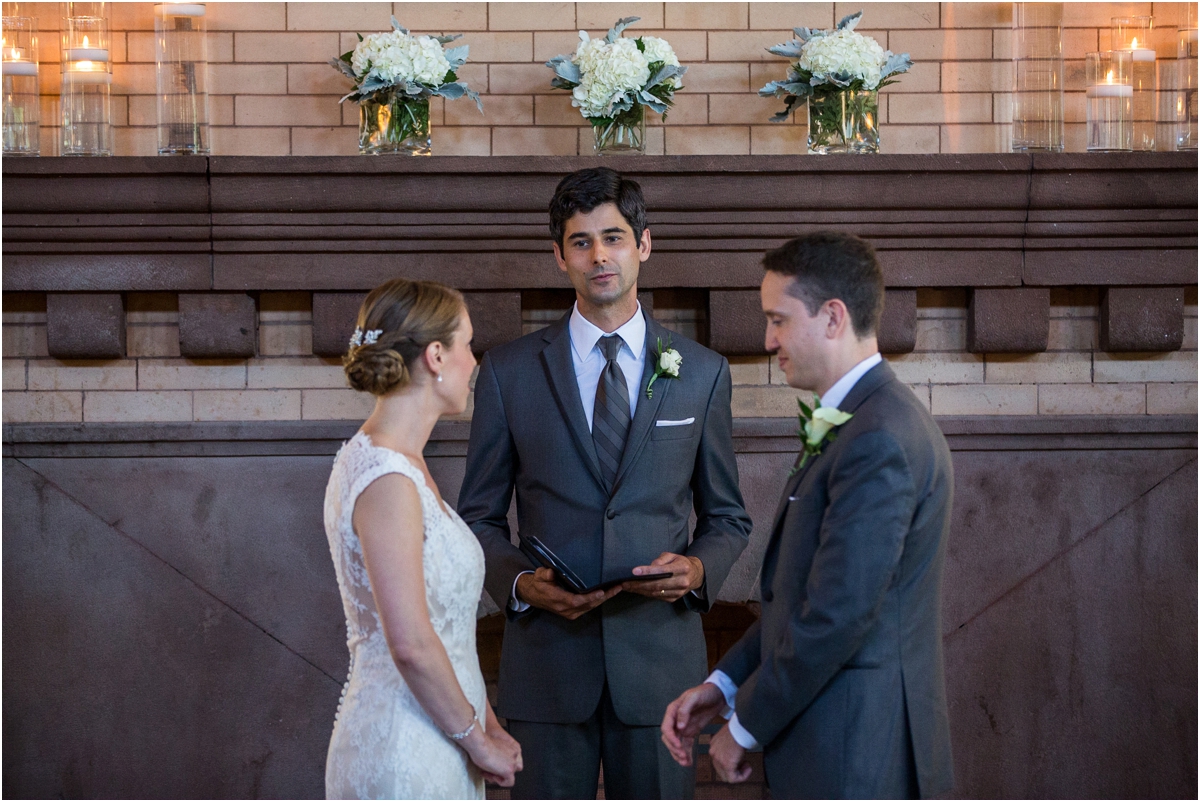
{"points": [[834, 396], [589, 362]]}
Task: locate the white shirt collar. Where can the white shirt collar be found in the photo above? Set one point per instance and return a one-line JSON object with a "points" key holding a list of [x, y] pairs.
{"points": [[585, 334], [836, 394]]}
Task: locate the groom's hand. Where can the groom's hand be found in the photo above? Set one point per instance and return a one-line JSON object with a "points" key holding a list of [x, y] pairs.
{"points": [[540, 590], [686, 716], [687, 574], [728, 758]]}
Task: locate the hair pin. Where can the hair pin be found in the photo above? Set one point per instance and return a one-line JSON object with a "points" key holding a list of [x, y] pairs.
{"points": [[359, 338]]}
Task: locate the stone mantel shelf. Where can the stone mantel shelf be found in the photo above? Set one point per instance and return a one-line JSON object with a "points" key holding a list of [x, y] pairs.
{"points": [[346, 223]]}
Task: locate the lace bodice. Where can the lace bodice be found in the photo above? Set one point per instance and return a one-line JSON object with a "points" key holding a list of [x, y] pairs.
{"points": [[384, 744]]}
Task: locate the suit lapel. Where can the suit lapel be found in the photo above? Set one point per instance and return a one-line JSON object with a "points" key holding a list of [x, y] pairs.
{"points": [[789, 490], [560, 373], [647, 408], [871, 381]]}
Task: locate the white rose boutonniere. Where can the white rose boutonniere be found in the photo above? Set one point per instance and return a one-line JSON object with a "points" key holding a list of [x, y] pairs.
{"points": [[817, 426], [666, 363]]}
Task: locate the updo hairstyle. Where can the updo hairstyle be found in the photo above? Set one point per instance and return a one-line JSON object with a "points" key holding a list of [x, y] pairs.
{"points": [[410, 315]]}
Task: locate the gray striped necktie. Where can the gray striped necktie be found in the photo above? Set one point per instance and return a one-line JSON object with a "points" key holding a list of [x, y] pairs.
{"points": [[610, 418]]}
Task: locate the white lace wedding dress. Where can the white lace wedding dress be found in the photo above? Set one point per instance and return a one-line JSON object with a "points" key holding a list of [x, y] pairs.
{"points": [[384, 744]]}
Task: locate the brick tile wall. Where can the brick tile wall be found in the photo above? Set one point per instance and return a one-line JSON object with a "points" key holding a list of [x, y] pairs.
{"points": [[271, 92]]}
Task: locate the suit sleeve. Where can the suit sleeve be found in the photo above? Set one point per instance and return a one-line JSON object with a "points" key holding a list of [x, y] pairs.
{"points": [[871, 505], [743, 657], [487, 488], [722, 525]]}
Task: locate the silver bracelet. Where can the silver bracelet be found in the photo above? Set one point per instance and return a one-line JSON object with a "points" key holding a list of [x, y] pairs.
{"points": [[458, 736]]}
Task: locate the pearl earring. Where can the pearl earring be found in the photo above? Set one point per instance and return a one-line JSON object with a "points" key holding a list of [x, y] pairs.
{"points": [[439, 377]]}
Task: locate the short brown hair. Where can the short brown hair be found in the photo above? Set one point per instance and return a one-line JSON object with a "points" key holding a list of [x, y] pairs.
{"points": [[828, 265], [409, 316]]}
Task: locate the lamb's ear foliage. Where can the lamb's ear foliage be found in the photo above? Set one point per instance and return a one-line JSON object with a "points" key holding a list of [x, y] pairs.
{"points": [[368, 84]]}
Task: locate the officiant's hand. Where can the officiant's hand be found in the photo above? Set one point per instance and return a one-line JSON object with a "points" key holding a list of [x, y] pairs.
{"points": [[540, 590], [687, 574], [686, 716], [728, 758]]}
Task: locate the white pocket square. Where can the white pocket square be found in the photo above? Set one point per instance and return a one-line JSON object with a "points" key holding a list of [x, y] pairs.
{"points": [[683, 422]]}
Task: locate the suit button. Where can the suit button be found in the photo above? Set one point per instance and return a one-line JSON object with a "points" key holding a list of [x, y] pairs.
{"points": [[610, 514], [768, 596]]}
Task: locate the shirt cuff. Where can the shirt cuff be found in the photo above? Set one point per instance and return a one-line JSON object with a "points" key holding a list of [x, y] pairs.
{"points": [[515, 604], [741, 734], [727, 688]]}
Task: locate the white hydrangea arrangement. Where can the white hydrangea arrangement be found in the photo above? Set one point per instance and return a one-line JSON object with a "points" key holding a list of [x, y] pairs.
{"points": [[418, 66], [829, 62], [611, 79]]}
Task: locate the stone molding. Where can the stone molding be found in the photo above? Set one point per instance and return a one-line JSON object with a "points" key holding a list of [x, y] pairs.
{"points": [[213, 325], [449, 439], [342, 225], [1012, 321], [1141, 319], [85, 326]]}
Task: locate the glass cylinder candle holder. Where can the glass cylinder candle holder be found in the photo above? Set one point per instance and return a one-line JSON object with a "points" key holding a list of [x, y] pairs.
{"points": [[22, 98], [86, 87], [1132, 34], [1037, 105], [181, 59], [1109, 100], [1185, 95]]}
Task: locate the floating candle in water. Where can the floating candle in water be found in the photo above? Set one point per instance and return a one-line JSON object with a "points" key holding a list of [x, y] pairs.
{"points": [[1141, 53], [15, 63], [86, 53], [87, 72], [180, 9]]}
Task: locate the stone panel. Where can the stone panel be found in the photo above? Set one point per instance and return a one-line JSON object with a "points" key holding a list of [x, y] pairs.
{"points": [[1142, 319], [1076, 677], [138, 679], [736, 323], [217, 325], [898, 326], [496, 317], [85, 325], [334, 316], [1008, 320]]}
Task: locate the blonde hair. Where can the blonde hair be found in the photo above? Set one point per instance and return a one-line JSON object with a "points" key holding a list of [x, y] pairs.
{"points": [[409, 316]]}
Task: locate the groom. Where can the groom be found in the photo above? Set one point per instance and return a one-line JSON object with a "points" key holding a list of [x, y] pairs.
{"points": [[841, 678], [607, 470]]}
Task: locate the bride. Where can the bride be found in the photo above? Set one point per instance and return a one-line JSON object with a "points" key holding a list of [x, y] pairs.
{"points": [[414, 721]]}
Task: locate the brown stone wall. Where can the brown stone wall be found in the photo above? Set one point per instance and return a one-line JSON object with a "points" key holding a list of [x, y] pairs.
{"points": [[172, 625]]}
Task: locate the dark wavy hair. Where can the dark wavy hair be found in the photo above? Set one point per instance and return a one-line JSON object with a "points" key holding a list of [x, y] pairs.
{"points": [[827, 265], [584, 190]]}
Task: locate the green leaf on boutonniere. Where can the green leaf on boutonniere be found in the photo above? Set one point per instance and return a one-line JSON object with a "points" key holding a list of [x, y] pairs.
{"points": [[818, 426], [666, 363]]}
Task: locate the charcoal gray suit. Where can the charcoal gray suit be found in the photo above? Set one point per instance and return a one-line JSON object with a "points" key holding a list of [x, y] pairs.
{"points": [[841, 678], [529, 433]]}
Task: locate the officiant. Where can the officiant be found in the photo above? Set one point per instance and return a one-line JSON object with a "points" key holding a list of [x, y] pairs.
{"points": [[611, 430]]}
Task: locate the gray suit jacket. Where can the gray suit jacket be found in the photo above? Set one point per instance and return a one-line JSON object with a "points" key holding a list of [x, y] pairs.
{"points": [[529, 434], [841, 678]]}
